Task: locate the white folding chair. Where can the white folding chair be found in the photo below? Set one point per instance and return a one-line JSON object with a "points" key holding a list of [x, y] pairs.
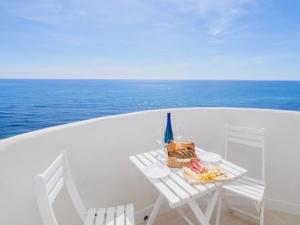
{"points": [[247, 187], [50, 183]]}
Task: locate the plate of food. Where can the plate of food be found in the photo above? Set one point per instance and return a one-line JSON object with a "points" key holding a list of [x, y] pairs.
{"points": [[199, 173], [157, 171], [211, 158]]}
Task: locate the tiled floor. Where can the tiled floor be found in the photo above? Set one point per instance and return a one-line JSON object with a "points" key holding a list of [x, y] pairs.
{"points": [[271, 218]]}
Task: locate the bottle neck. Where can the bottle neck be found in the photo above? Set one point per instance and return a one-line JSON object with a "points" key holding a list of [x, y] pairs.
{"points": [[169, 118]]}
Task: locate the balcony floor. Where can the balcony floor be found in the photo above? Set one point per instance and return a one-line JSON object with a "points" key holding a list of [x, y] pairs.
{"points": [[271, 218]]}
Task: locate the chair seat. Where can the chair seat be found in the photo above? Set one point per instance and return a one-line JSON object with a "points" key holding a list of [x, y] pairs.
{"points": [[120, 215], [248, 187]]}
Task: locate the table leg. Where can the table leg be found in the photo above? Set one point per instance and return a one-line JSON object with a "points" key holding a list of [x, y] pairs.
{"points": [[155, 209], [198, 212], [211, 204], [182, 214], [219, 207]]}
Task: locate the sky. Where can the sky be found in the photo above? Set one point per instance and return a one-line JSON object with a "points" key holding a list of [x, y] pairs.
{"points": [[150, 39]]}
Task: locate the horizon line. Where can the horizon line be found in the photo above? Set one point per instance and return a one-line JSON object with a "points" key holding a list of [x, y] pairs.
{"points": [[149, 79]]}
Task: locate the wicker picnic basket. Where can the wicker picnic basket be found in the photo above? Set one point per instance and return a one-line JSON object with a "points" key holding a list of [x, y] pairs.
{"points": [[180, 154]]}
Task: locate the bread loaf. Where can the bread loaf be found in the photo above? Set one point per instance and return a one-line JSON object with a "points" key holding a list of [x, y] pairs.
{"points": [[181, 150]]}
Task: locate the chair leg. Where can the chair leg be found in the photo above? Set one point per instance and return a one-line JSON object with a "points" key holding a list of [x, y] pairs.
{"points": [[262, 213], [219, 209]]}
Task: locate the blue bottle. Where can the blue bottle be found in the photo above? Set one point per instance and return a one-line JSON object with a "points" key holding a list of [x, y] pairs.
{"points": [[169, 131]]}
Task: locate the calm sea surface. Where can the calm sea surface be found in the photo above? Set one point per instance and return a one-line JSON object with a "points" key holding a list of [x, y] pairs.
{"points": [[27, 105]]}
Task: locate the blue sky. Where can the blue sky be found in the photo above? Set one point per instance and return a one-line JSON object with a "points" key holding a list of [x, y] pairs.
{"points": [[153, 39]]}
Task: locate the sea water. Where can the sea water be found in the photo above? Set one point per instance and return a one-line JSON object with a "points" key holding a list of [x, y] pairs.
{"points": [[27, 105]]}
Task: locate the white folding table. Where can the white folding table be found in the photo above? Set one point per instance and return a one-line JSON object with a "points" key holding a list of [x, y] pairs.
{"points": [[177, 191]]}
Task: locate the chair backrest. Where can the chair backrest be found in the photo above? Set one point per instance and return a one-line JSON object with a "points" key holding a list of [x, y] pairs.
{"points": [[251, 137], [49, 184]]}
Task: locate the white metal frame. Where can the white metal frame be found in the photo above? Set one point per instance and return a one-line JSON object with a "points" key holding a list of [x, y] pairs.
{"points": [[252, 137], [49, 184]]}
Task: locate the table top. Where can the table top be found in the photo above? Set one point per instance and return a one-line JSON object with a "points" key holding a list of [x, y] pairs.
{"points": [[174, 187]]}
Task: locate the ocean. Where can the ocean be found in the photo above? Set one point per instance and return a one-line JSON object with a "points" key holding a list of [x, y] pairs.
{"points": [[27, 105]]}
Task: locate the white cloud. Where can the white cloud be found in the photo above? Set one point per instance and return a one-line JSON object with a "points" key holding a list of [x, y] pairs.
{"points": [[220, 15], [59, 12], [176, 39]]}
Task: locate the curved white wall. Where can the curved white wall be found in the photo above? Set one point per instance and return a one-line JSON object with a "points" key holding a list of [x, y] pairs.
{"points": [[98, 151]]}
